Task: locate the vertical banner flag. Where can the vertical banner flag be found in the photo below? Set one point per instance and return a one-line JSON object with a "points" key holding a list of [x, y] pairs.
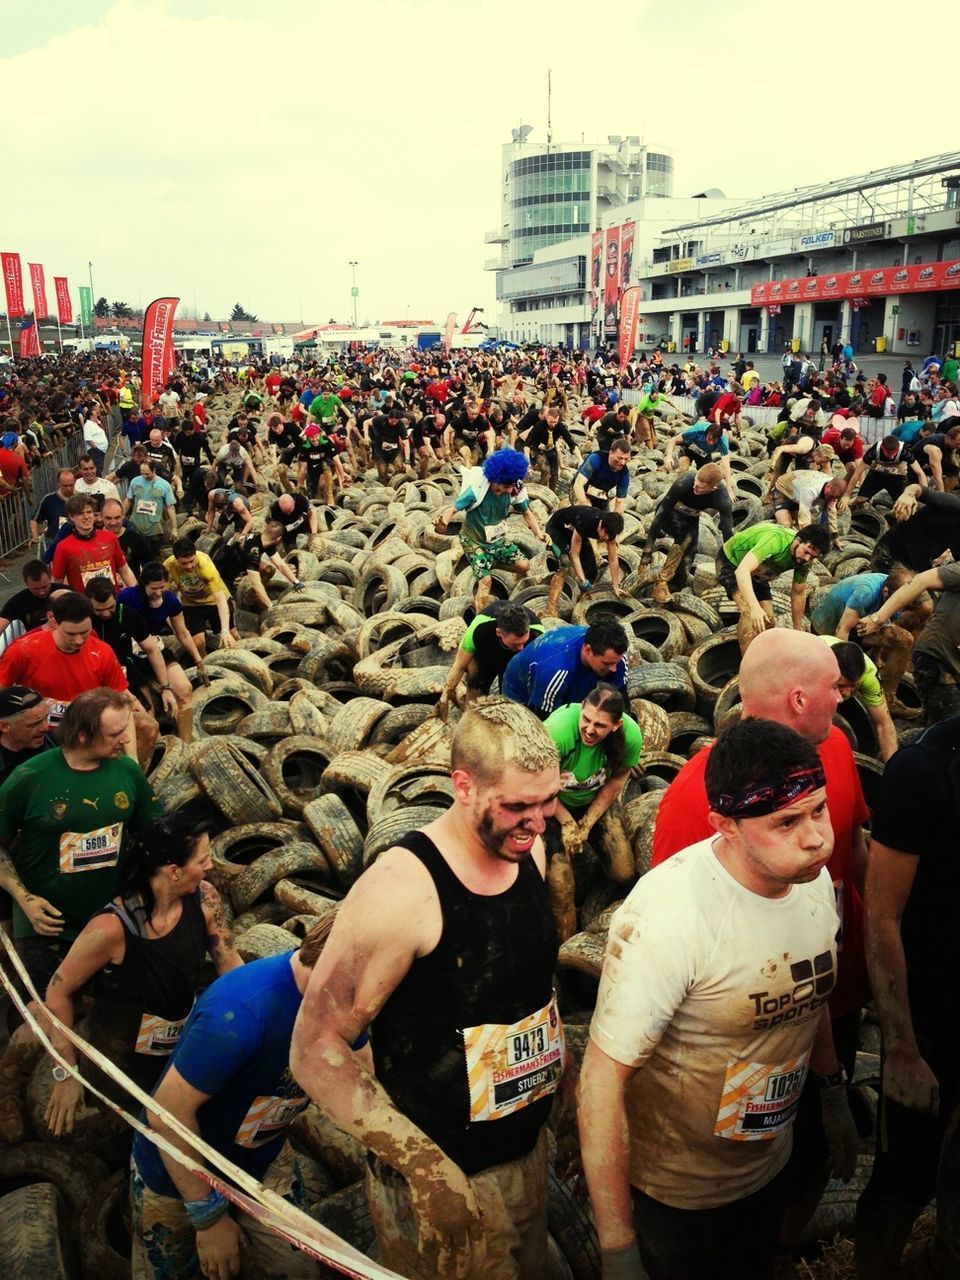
{"points": [[29, 339], [13, 283], [626, 253], [448, 331], [157, 347], [40, 309], [611, 281], [629, 314], [596, 261], [64, 305], [86, 306]]}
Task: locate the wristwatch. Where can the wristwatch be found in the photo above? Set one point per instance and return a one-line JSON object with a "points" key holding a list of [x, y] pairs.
{"points": [[829, 1082], [59, 1073]]}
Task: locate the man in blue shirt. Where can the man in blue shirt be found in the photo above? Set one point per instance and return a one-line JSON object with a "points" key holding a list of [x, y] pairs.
{"points": [[602, 475], [702, 443], [565, 664]]}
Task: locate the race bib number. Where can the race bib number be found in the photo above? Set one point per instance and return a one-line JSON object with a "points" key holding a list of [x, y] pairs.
{"points": [[90, 850], [158, 1036], [99, 571], [593, 492], [146, 507], [495, 532], [56, 711], [267, 1117], [387, 446], [759, 1100], [510, 1066]]}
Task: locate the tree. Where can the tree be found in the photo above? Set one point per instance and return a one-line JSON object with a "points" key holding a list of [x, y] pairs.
{"points": [[207, 317], [101, 308], [121, 311], [238, 313]]}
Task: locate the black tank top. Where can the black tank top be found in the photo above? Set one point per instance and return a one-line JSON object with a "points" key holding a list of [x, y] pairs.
{"points": [[153, 987], [446, 1045]]}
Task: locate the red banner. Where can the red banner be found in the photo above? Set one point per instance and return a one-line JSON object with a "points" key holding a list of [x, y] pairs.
{"points": [[448, 331], [64, 305], [13, 283], [39, 285], [596, 266], [29, 339], [611, 280], [629, 315], [158, 359], [920, 278], [626, 253]]}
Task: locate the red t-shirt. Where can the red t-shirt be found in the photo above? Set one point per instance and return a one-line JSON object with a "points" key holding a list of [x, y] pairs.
{"points": [[200, 413], [436, 391], [728, 405], [35, 661], [12, 465], [272, 381], [682, 821], [846, 452], [878, 396], [593, 413], [77, 560]]}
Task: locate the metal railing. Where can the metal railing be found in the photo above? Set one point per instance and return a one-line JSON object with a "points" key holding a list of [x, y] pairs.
{"points": [[15, 510]]}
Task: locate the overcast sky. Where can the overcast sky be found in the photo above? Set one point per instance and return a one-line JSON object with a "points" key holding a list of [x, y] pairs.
{"points": [[246, 150]]}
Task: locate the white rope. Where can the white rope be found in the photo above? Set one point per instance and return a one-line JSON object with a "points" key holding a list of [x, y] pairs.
{"points": [[278, 1215]]}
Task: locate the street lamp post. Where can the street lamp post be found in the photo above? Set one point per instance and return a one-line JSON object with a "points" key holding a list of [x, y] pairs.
{"points": [[353, 288]]}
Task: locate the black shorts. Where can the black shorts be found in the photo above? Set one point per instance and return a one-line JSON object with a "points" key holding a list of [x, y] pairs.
{"points": [[204, 617], [727, 577], [388, 457]]}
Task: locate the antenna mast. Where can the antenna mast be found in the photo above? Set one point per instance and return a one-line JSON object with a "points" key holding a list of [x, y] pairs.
{"points": [[549, 107]]}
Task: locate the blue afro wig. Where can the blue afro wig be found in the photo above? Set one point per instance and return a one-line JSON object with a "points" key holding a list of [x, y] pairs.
{"points": [[506, 466]]}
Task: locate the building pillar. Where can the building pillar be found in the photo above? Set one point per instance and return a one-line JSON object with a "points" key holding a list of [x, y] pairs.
{"points": [[766, 331], [731, 328], [846, 322], [676, 331], [891, 318], [803, 325], [701, 330]]}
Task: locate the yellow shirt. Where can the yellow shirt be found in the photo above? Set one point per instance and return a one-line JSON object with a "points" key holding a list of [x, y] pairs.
{"points": [[199, 585]]}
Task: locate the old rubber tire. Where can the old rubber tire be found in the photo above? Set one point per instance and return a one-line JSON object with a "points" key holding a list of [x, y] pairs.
{"points": [[665, 683], [409, 784], [654, 724], [239, 846], [351, 727], [302, 859], [34, 1226], [571, 1225], [220, 708], [249, 666], [713, 663], [338, 836], [264, 940], [230, 781], [306, 717], [385, 832], [73, 1173], [293, 770], [399, 722], [105, 1230]]}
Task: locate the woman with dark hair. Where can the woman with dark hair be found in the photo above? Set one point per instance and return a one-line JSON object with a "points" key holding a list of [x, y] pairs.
{"points": [[144, 957], [598, 745]]}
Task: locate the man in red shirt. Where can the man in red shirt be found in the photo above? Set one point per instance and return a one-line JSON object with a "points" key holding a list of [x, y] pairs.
{"points": [[89, 552], [200, 412], [879, 394], [726, 412], [846, 444], [13, 466], [436, 391], [786, 678]]}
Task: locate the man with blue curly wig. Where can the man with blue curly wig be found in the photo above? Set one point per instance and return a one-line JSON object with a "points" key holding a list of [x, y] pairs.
{"points": [[488, 496]]}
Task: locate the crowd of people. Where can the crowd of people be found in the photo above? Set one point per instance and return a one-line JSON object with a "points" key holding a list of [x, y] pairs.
{"points": [[716, 1097]]}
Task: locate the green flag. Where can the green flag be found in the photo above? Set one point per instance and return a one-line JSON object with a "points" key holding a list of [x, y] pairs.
{"points": [[86, 306]]}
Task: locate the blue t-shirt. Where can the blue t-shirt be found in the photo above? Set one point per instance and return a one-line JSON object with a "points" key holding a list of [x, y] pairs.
{"points": [[909, 430], [156, 619], [695, 439], [236, 1048], [602, 477], [860, 592]]}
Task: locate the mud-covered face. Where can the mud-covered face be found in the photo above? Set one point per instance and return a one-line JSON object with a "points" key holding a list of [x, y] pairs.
{"points": [[512, 811]]}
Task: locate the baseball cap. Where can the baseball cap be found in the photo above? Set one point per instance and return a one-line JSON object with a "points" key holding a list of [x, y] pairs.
{"points": [[9, 439], [16, 698], [312, 432]]}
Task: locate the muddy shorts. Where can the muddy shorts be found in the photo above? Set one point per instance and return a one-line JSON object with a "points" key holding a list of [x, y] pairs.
{"points": [[512, 1198], [485, 556], [165, 1243]]}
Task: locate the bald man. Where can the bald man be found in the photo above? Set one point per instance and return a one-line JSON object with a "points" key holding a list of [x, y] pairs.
{"points": [[793, 678], [296, 514]]}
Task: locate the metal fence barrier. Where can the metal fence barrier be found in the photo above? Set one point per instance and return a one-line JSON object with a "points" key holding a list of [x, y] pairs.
{"points": [[15, 510]]}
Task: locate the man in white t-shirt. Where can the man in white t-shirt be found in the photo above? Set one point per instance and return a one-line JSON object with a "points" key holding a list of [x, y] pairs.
{"points": [[92, 485], [169, 406], [712, 1007]]}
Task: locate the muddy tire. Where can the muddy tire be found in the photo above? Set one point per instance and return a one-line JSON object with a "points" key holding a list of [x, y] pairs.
{"points": [[265, 940], [665, 683], [572, 1228], [335, 831], [249, 666], [229, 780], [385, 832], [293, 770], [379, 589], [654, 724], [220, 708], [73, 1173], [398, 723], [255, 883], [406, 785], [105, 1230], [712, 665], [306, 717], [34, 1226], [351, 727], [239, 847], [167, 754]]}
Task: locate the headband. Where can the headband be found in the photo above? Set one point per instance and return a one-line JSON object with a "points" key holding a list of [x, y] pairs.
{"points": [[768, 795]]}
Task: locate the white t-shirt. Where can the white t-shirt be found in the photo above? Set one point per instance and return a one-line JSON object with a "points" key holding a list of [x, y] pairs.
{"points": [[105, 488], [168, 403], [714, 993], [94, 436]]}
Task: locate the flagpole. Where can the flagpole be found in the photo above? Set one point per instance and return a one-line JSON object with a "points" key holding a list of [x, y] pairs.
{"points": [[9, 335], [59, 333]]}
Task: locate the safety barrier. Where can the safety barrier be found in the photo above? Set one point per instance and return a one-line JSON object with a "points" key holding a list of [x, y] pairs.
{"points": [[16, 509]]}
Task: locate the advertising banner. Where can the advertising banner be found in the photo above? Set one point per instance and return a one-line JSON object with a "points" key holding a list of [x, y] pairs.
{"points": [[611, 280], [29, 339], [867, 231], [448, 331], [627, 232], [629, 315], [158, 358], [596, 266], [39, 285], [86, 306], [818, 240], [64, 305], [922, 277], [13, 284]]}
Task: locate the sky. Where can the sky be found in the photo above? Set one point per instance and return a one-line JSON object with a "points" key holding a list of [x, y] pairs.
{"points": [[246, 151]]}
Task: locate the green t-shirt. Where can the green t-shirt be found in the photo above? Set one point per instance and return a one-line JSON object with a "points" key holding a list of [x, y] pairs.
{"points": [[771, 544], [869, 688], [650, 403], [326, 408], [486, 522], [71, 826], [583, 769]]}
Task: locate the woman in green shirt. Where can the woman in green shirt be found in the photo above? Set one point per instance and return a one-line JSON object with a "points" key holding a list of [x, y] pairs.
{"points": [[598, 746]]}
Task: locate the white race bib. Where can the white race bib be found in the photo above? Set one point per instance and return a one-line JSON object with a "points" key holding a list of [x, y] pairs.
{"points": [[101, 571], [592, 491], [759, 1100], [158, 1036], [495, 532], [266, 1118], [146, 507], [90, 850], [510, 1066]]}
